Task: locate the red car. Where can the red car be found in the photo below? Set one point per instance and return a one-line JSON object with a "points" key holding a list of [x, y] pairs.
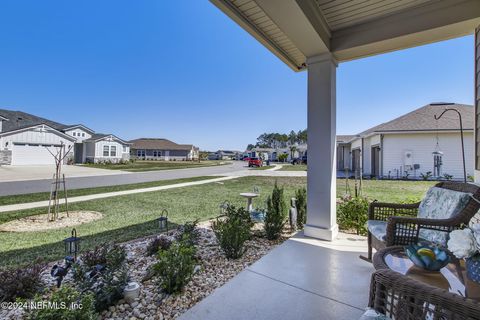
{"points": [[255, 162]]}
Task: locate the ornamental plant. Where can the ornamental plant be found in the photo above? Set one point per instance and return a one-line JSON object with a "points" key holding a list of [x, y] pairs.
{"points": [[276, 214], [352, 213], [21, 283], [159, 243], [301, 196], [175, 267], [232, 231], [465, 243]]}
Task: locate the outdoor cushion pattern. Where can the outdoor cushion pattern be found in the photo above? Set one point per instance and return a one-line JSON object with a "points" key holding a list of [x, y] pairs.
{"points": [[378, 229], [440, 203]]}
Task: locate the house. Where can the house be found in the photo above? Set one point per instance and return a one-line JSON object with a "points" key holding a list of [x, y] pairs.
{"points": [[162, 149], [405, 146], [292, 152], [26, 139], [224, 155]]}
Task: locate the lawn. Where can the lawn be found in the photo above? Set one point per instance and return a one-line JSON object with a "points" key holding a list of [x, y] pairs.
{"points": [[297, 167], [142, 165], [133, 216], [42, 196]]}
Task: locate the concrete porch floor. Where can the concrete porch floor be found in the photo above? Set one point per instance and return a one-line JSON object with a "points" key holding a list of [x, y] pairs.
{"points": [[303, 278]]}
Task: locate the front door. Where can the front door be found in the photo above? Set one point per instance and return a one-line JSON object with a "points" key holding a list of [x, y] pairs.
{"points": [[78, 152], [376, 161]]}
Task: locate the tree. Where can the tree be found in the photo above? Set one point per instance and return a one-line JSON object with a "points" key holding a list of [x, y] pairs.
{"points": [[292, 137], [250, 147], [293, 149]]}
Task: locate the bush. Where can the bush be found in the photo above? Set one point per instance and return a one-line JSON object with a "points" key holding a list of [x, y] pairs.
{"points": [[175, 267], [276, 214], [447, 177], [301, 196], [426, 176], [21, 283], [68, 301], [105, 280], [159, 243], [352, 213], [232, 231], [189, 233], [282, 157]]}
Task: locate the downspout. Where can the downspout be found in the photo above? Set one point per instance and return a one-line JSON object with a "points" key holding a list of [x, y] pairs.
{"points": [[362, 160]]}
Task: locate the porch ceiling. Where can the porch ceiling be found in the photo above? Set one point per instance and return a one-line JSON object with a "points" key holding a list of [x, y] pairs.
{"points": [[296, 29]]}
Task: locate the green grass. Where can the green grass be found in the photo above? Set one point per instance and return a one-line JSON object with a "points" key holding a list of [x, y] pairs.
{"points": [[141, 165], [42, 196], [297, 167], [133, 216]]}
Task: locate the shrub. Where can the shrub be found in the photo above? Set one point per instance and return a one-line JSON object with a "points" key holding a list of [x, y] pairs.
{"points": [[96, 256], [21, 283], [276, 214], [426, 176], [301, 196], [105, 280], [232, 231], [352, 213], [175, 267], [282, 157], [447, 176], [189, 233], [68, 301], [159, 243]]}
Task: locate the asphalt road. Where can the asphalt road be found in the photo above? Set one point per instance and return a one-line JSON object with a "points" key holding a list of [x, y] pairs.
{"points": [[32, 186]]}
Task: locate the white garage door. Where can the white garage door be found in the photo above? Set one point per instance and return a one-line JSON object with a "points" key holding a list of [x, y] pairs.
{"points": [[31, 155]]}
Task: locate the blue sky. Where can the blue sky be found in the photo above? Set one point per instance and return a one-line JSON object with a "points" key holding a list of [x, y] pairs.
{"points": [[182, 70]]}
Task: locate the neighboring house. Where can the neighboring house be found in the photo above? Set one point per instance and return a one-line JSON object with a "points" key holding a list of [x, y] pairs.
{"points": [[162, 149], [224, 155], [26, 139], [272, 154], [405, 145]]}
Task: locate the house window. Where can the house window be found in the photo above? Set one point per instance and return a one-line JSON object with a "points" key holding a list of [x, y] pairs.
{"points": [[124, 149], [74, 134], [154, 153], [113, 151], [83, 134], [105, 151], [140, 153]]}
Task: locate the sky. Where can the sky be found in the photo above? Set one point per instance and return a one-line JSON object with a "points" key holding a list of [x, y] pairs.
{"points": [[184, 71]]}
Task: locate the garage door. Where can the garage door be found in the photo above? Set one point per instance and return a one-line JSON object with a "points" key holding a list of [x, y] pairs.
{"points": [[31, 155]]}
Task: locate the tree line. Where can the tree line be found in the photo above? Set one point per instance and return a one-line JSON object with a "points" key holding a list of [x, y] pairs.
{"points": [[279, 140]]}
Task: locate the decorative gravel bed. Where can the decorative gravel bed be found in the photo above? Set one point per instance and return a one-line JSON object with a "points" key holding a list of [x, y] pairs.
{"points": [[213, 270]]}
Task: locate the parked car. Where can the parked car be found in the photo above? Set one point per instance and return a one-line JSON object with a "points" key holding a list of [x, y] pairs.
{"points": [[301, 160], [246, 159], [255, 162]]}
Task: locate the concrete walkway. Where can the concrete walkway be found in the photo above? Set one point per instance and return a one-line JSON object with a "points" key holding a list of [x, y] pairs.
{"points": [[38, 204], [303, 278]]}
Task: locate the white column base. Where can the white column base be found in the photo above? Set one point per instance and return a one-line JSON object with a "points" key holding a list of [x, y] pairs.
{"points": [[321, 233]]}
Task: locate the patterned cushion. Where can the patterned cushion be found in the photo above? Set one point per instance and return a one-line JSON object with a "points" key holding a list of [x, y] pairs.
{"points": [[378, 229], [440, 203], [371, 314]]}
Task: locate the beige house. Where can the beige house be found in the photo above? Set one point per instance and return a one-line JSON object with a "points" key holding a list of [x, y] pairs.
{"points": [[163, 149]]}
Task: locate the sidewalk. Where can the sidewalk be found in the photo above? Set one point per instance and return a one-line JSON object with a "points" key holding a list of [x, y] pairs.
{"points": [[31, 205]]}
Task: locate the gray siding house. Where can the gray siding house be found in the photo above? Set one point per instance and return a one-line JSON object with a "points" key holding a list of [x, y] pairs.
{"points": [[162, 149]]}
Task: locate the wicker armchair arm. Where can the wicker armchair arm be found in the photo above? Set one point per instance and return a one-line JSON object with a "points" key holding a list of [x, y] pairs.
{"points": [[404, 230], [382, 211]]}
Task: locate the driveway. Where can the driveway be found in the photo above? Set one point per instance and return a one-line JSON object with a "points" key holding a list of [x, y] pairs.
{"points": [[91, 178], [41, 172]]}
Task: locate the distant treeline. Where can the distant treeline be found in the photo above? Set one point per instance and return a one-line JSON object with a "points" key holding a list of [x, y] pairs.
{"points": [[279, 140]]}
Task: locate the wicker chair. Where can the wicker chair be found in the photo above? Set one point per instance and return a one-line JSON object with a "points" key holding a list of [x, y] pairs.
{"points": [[402, 298], [403, 225]]}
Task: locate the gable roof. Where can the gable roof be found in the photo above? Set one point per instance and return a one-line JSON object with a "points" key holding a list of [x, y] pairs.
{"points": [[100, 136], [19, 120], [422, 120], [345, 138], [158, 144], [81, 126]]}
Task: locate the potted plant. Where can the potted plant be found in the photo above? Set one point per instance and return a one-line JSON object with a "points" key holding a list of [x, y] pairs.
{"points": [[465, 244]]}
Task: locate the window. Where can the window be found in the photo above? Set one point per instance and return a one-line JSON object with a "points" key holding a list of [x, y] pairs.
{"points": [[125, 149], [113, 151], [140, 153], [74, 134], [105, 151], [154, 153], [83, 134]]}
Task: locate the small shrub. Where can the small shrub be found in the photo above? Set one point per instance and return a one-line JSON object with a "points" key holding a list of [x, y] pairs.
{"points": [[175, 267], [159, 243], [447, 177], [352, 213], [301, 196], [282, 157], [68, 300], [232, 231], [189, 233], [470, 178], [96, 256], [276, 214], [426, 176], [105, 280], [21, 283]]}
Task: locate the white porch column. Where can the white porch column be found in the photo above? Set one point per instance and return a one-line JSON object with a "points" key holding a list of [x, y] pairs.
{"points": [[321, 180]]}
